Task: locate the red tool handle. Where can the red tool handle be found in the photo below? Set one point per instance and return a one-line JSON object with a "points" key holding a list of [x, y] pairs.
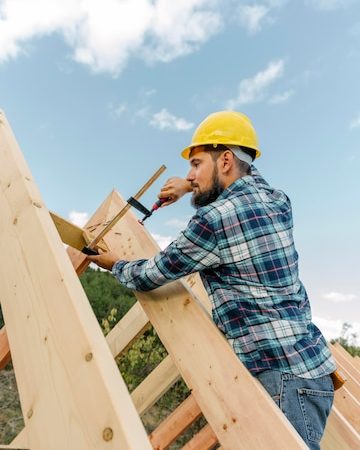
{"points": [[159, 203]]}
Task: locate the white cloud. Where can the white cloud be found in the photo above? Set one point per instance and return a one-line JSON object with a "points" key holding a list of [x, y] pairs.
{"points": [[167, 121], [177, 223], [338, 297], [329, 5], [179, 27], [252, 16], [281, 98], [150, 92], [104, 35], [117, 110], [79, 218], [332, 329], [355, 123], [120, 109], [163, 241], [252, 90]]}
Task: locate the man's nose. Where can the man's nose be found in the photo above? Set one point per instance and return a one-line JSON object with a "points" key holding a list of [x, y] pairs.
{"points": [[190, 176]]}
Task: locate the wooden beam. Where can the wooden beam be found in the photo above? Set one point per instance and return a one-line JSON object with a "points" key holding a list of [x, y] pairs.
{"points": [[348, 406], [155, 385], [205, 439], [175, 424], [351, 383], [73, 235], [5, 356], [357, 362], [233, 402], [21, 441], [12, 447], [339, 434], [347, 361], [71, 394]]}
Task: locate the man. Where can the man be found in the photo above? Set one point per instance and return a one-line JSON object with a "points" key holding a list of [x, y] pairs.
{"points": [[240, 241]]}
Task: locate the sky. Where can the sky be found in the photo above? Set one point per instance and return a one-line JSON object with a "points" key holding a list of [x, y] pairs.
{"points": [[101, 94]]}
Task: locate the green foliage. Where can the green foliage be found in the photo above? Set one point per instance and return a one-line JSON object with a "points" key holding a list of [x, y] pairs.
{"points": [[109, 299], [11, 421], [348, 339], [141, 359]]}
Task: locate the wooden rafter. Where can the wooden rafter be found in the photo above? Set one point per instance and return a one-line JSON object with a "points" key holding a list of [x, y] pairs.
{"points": [[175, 424], [72, 374]]}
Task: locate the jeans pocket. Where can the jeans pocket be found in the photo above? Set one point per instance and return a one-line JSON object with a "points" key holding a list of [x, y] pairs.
{"points": [[315, 406]]}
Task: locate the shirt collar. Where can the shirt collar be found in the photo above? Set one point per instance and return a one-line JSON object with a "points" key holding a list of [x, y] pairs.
{"points": [[236, 186]]}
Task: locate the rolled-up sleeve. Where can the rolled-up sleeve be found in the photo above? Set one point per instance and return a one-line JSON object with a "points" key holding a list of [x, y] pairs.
{"points": [[195, 249]]}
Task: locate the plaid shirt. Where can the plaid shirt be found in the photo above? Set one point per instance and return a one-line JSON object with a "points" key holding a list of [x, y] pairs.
{"points": [[242, 246]]}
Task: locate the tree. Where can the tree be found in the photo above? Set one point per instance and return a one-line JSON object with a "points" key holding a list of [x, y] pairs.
{"points": [[106, 295], [348, 339]]}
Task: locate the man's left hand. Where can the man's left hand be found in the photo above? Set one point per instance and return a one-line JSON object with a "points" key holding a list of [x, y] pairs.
{"points": [[105, 260]]}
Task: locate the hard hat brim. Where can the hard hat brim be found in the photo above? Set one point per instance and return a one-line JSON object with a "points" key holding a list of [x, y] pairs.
{"points": [[186, 152]]}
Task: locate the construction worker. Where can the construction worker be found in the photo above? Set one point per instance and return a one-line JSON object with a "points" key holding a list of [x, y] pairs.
{"points": [[240, 240]]}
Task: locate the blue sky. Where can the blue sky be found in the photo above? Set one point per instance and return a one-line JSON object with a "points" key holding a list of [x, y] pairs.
{"points": [[100, 94]]}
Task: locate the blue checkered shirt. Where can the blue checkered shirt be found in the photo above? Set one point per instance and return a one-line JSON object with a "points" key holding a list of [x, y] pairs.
{"points": [[242, 246]]}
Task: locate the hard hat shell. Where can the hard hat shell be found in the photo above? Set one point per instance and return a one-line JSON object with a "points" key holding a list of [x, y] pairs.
{"points": [[226, 128]]}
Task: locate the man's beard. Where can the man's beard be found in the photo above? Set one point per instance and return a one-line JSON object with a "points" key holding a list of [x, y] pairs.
{"points": [[204, 198]]}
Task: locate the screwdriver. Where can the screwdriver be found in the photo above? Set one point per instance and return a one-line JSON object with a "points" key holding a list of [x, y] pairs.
{"points": [[155, 206]]}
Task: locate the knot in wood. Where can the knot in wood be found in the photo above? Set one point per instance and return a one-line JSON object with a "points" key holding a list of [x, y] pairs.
{"points": [[108, 434]]}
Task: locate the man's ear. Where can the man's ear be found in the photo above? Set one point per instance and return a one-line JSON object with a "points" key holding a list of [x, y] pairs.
{"points": [[226, 160]]}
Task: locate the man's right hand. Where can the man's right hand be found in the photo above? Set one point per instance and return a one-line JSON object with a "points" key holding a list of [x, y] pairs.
{"points": [[173, 189]]}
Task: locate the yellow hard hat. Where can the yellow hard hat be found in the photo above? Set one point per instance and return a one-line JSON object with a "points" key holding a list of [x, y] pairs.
{"points": [[226, 128]]}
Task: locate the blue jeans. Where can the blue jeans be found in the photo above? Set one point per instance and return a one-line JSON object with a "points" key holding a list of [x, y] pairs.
{"points": [[305, 402]]}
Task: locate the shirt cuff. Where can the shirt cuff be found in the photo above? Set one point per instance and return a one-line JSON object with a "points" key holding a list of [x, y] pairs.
{"points": [[117, 267]]}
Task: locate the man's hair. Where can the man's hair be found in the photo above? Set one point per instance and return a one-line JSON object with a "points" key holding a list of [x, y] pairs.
{"points": [[243, 167]]}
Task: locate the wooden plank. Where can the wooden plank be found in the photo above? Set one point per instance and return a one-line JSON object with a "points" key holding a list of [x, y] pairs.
{"points": [[155, 385], [21, 441], [205, 439], [347, 361], [357, 362], [12, 447], [73, 235], [95, 225], [230, 398], [175, 424], [5, 356], [348, 406], [71, 394], [339, 434], [351, 383]]}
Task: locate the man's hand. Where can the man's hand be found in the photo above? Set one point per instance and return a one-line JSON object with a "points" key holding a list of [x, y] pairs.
{"points": [[173, 189], [105, 260]]}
